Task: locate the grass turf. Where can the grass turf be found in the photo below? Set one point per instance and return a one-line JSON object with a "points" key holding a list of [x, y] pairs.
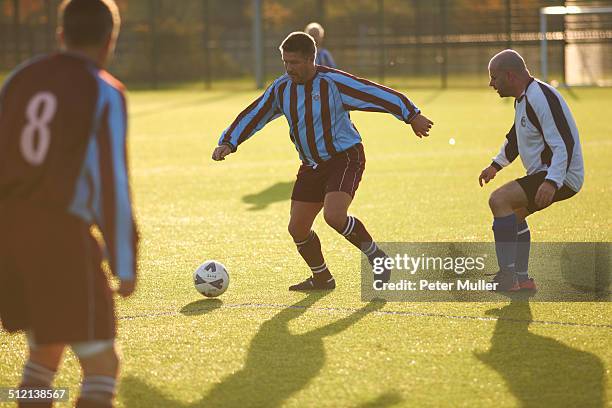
{"points": [[260, 345]]}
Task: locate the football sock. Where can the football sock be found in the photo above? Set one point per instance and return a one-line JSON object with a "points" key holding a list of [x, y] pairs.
{"points": [[504, 231], [310, 250], [97, 391], [35, 376], [354, 231], [523, 243]]}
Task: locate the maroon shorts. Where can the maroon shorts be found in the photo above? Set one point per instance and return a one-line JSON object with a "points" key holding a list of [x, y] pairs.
{"points": [[51, 280], [340, 173]]}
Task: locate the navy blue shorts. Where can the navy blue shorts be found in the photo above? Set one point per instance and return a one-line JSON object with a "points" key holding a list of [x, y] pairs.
{"points": [[340, 173], [531, 183]]}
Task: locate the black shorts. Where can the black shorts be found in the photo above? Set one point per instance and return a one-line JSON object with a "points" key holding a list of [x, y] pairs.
{"points": [[530, 185], [51, 280], [340, 173]]}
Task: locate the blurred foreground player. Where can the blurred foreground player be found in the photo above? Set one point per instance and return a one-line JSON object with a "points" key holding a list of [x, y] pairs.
{"points": [[63, 169], [545, 136]]}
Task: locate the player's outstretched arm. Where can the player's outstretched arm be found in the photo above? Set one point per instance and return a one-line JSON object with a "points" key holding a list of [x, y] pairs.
{"points": [[421, 125], [506, 155], [220, 152], [252, 119], [364, 95], [487, 175]]}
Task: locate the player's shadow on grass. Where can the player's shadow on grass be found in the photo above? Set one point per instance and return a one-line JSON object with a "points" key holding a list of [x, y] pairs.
{"points": [[279, 364], [275, 193], [200, 307], [541, 371]]}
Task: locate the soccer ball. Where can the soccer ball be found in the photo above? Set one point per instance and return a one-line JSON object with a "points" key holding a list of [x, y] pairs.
{"points": [[211, 279]]}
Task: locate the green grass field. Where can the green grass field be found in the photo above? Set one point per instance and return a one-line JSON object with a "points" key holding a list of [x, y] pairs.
{"points": [[259, 345]]}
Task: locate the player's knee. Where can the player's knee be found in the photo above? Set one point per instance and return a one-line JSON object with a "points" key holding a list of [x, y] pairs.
{"points": [[98, 358], [48, 356], [298, 231], [496, 200], [335, 219]]}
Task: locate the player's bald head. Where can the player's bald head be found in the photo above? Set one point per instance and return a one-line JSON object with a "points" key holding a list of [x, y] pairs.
{"points": [[508, 61]]}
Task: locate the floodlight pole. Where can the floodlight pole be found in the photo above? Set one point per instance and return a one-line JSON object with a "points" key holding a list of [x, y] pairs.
{"points": [[258, 43]]}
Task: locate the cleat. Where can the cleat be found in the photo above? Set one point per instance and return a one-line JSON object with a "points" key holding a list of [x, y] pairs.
{"points": [[507, 282], [384, 276], [528, 284], [310, 284]]}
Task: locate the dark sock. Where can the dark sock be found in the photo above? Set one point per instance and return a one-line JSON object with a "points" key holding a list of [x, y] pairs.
{"points": [[310, 249], [97, 391], [523, 244], [504, 230], [36, 376], [355, 232]]}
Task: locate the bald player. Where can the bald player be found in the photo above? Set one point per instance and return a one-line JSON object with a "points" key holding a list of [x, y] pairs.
{"points": [[545, 136], [323, 56]]}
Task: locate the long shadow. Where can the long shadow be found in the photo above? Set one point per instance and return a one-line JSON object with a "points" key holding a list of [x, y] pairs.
{"points": [[275, 193], [541, 371], [278, 365]]}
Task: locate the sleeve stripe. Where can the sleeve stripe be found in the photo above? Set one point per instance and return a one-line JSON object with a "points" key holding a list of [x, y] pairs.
{"points": [[354, 93], [560, 121], [409, 106], [326, 118], [368, 109], [248, 129], [511, 149], [230, 130], [133, 227], [546, 155], [108, 189]]}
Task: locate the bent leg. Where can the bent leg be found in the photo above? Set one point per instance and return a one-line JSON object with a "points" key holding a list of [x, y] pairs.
{"points": [[523, 245], [335, 211], [503, 203], [306, 240]]}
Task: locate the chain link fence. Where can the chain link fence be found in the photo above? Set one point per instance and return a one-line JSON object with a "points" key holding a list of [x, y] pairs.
{"points": [[428, 43]]}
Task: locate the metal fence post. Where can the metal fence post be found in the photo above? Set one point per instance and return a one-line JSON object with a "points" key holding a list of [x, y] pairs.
{"points": [[206, 34], [16, 32], [444, 50], [258, 43], [381, 40], [154, 51]]}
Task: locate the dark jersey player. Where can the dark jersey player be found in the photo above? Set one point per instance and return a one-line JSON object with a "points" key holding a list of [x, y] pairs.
{"points": [[63, 169], [316, 102]]}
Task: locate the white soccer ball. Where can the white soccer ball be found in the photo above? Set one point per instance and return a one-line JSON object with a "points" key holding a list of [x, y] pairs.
{"points": [[211, 279]]}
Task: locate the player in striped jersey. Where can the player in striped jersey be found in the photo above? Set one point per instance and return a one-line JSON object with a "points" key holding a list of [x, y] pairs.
{"points": [[316, 102], [545, 136], [63, 169], [324, 57]]}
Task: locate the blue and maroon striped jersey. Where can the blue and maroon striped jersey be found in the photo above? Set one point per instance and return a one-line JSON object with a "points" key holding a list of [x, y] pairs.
{"points": [[63, 127], [318, 112]]}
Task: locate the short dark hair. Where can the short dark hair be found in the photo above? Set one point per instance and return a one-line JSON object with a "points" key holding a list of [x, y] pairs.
{"points": [[88, 22], [299, 41]]}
